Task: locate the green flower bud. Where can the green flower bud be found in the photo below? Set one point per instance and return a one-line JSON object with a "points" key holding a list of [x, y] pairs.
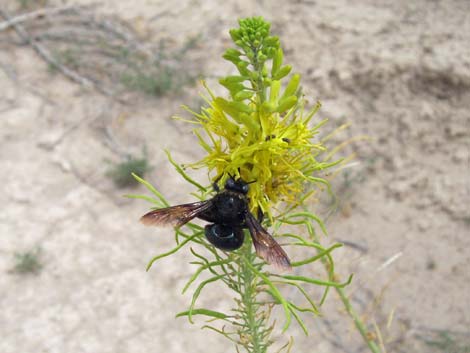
{"points": [[283, 71], [234, 79], [254, 75], [233, 87], [232, 55], [292, 86], [242, 68], [274, 92], [234, 34], [242, 95], [277, 62], [232, 108], [268, 107], [286, 104]]}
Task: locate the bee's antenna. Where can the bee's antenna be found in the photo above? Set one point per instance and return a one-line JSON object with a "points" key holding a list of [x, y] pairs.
{"points": [[251, 182]]}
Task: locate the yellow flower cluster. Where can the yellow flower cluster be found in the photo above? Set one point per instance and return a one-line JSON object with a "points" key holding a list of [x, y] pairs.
{"points": [[275, 150]]}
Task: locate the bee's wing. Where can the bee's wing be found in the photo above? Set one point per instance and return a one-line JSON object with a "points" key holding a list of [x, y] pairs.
{"points": [[265, 245], [175, 216]]}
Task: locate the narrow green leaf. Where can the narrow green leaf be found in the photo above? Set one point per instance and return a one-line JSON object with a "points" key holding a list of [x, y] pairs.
{"points": [[299, 320], [206, 312], [316, 257], [288, 219], [146, 198], [202, 268], [316, 281], [151, 189], [183, 173], [172, 251], [197, 292]]}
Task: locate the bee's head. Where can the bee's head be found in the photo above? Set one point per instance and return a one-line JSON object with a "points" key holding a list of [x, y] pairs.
{"points": [[237, 185]]}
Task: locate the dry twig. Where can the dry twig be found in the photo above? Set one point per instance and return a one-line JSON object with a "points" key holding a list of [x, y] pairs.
{"points": [[74, 76], [11, 22]]}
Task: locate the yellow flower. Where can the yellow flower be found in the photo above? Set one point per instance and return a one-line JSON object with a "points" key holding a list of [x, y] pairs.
{"points": [[273, 149]]}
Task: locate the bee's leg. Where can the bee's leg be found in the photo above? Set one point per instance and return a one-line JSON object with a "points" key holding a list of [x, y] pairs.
{"points": [[215, 184], [260, 216]]}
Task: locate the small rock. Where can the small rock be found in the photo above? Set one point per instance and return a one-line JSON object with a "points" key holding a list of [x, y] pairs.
{"points": [[427, 112], [63, 164], [461, 154], [49, 140], [423, 224]]}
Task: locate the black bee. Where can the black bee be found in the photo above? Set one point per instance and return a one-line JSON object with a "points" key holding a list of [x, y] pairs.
{"points": [[228, 214]]}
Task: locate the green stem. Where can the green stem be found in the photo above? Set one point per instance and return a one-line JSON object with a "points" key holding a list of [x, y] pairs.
{"points": [[357, 321], [258, 86], [251, 317], [352, 313]]}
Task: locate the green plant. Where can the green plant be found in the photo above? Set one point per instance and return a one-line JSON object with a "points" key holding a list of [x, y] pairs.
{"points": [[24, 4], [448, 342], [263, 132], [163, 74], [121, 173], [27, 262], [66, 57]]}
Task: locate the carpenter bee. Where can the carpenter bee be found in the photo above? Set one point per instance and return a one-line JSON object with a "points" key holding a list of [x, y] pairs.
{"points": [[228, 214]]}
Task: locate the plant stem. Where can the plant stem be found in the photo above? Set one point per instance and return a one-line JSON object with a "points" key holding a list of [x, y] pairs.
{"points": [[357, 321], [258, 86], [253, 320], [352, 313]]}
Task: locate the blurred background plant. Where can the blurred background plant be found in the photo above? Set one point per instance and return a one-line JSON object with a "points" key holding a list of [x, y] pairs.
{"points": [[106, 53], [28, 262], [121, 172]]}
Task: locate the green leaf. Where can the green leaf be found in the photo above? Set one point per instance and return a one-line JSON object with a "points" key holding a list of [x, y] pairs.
{"points": [[316, 257], [151, 189], [316, 281], [146, 198], [206, 312], [197, 292], [202, 268], [172, 251], [183, 174], [288, 219]]}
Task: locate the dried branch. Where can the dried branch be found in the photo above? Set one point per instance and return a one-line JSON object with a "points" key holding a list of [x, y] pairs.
{"points": [[43, 53], [11, 22]]}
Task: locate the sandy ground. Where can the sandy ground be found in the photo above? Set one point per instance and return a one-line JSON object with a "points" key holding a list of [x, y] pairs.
{"points": [[399, 71]]}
